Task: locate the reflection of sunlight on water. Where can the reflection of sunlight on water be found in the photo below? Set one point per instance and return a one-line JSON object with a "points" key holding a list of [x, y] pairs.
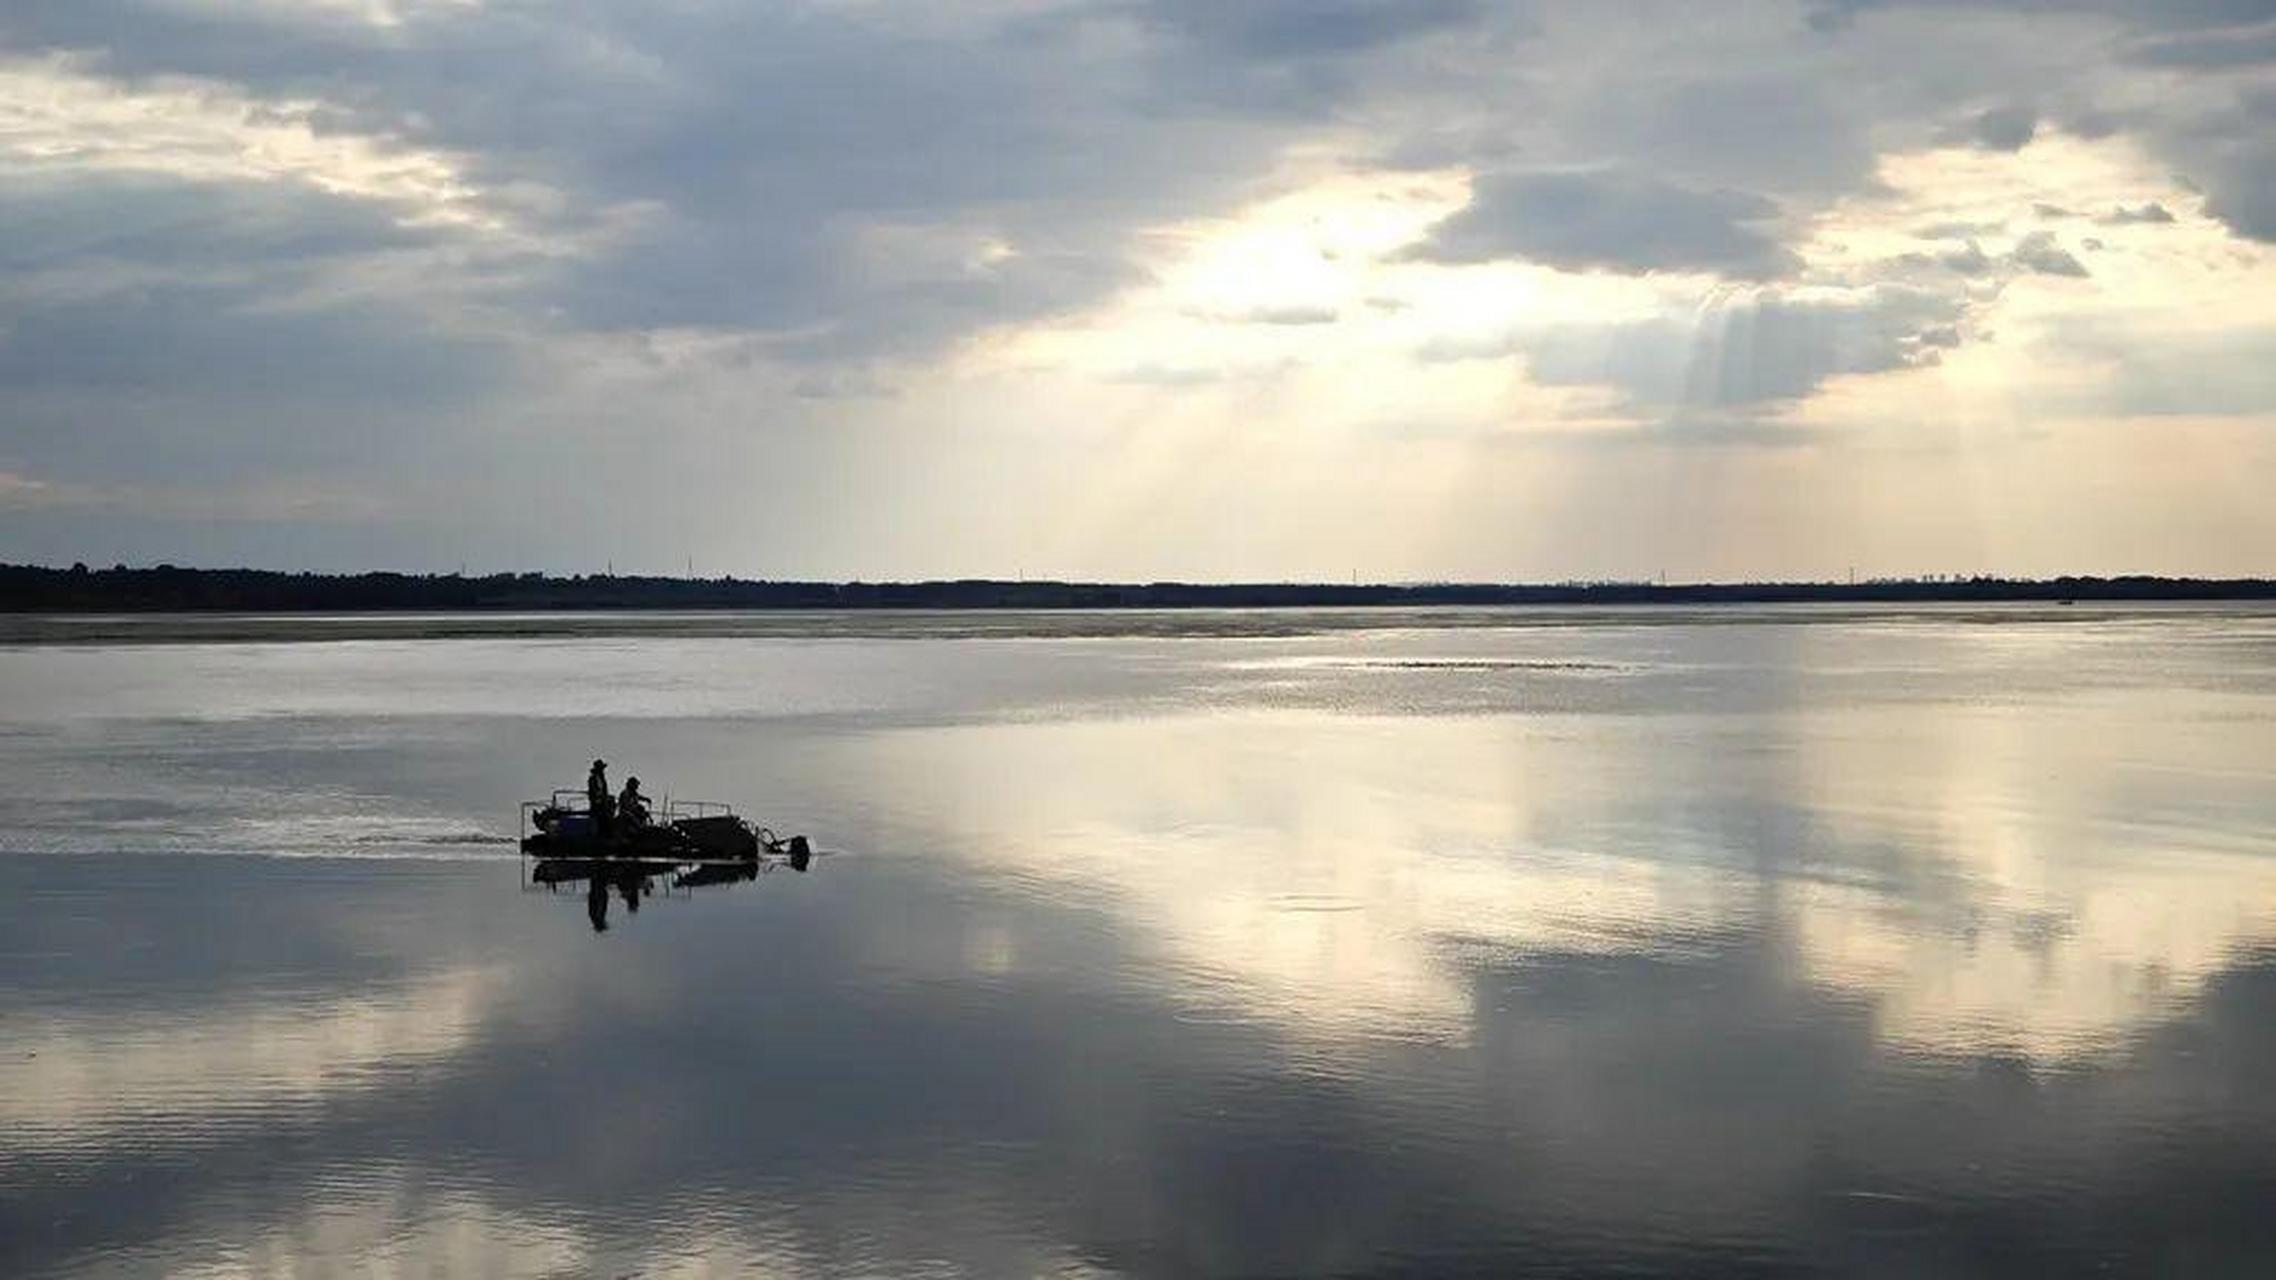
{"points": [[1963, 871], [2059, 895], [392, 1224], [392, 1220], [82, 1080], [1755, 938], [1227, 846]]}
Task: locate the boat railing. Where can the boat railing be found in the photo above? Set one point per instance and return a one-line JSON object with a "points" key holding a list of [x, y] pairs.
{"points": [[572, 801], [564, 800]]}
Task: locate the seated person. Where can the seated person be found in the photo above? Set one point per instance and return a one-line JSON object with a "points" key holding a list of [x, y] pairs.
{"points": [[631, 806]]}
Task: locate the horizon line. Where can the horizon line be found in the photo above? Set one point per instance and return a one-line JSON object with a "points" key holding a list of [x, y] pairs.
{"points": [[80, 568]]}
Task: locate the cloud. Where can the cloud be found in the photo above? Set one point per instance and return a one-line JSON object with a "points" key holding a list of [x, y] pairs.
{"points": [[1771, 346], [1750, 350], [1159, 375], [1969, 260], [1610, 220], [1958, 230], [2152, 15], [2231, 152], [1757, 120], [2041, 254], [2150, 212], [2209, 126], [1275, 29], [192, 341], [670, 136], [2009, 128], [2230, 373], [2221, 49], [59, 116], [18, 490], [1284, 314], [366, 235]]}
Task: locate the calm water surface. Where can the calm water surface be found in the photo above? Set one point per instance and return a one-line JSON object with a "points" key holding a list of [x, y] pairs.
{"points": [[1683, 942]]}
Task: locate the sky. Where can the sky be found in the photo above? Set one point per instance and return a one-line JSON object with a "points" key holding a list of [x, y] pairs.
{"points": [[1141, 289]]}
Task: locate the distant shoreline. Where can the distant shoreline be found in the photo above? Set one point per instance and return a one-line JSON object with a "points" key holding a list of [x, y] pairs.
{"points": [[167, 589]]}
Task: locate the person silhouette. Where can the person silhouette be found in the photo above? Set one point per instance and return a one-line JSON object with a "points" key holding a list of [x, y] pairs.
{"points": [[597, 903], [632, 807], [598, 801]]}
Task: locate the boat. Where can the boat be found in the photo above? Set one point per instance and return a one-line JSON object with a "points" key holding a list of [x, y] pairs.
{"points": [[555, 871], [561, 829]]}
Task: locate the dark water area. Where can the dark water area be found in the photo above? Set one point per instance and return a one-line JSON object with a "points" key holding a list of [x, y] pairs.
{"points": [[1659, 942]]}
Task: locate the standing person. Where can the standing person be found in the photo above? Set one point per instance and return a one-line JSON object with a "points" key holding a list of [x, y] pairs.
{"points": [[598, 800]]}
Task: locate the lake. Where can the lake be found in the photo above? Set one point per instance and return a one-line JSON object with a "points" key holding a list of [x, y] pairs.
{"points": [[1679, 941]]}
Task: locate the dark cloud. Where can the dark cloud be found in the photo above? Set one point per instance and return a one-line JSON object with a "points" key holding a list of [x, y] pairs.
{"points": [[736, 154], [721, 163], [2232, 155], [203, 341], [2009, 128], [2183, 15], [1745, 354], [1957, 230], [2040, 254], [1782, 132], [91, 223], [2211, 132], [1767, 348], [2151, 212], [1304, 28], [1970, 260], [1611, 220], [2219, 49]]}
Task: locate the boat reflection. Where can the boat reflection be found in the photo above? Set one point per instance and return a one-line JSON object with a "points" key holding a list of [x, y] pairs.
{"points": [[635, 879]]}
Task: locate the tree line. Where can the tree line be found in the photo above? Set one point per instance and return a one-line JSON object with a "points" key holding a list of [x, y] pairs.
{"points": [[28, 588]]}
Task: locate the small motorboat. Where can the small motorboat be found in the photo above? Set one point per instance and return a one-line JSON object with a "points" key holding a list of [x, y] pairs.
{"points": [[689, 831]]}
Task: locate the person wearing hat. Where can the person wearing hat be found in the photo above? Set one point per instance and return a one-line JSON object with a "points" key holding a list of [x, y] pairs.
{"points": [[598, 800]]}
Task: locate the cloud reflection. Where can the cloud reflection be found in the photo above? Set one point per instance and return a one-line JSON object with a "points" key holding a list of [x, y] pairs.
{"points": [[1326, 872], [1904, 945]]}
